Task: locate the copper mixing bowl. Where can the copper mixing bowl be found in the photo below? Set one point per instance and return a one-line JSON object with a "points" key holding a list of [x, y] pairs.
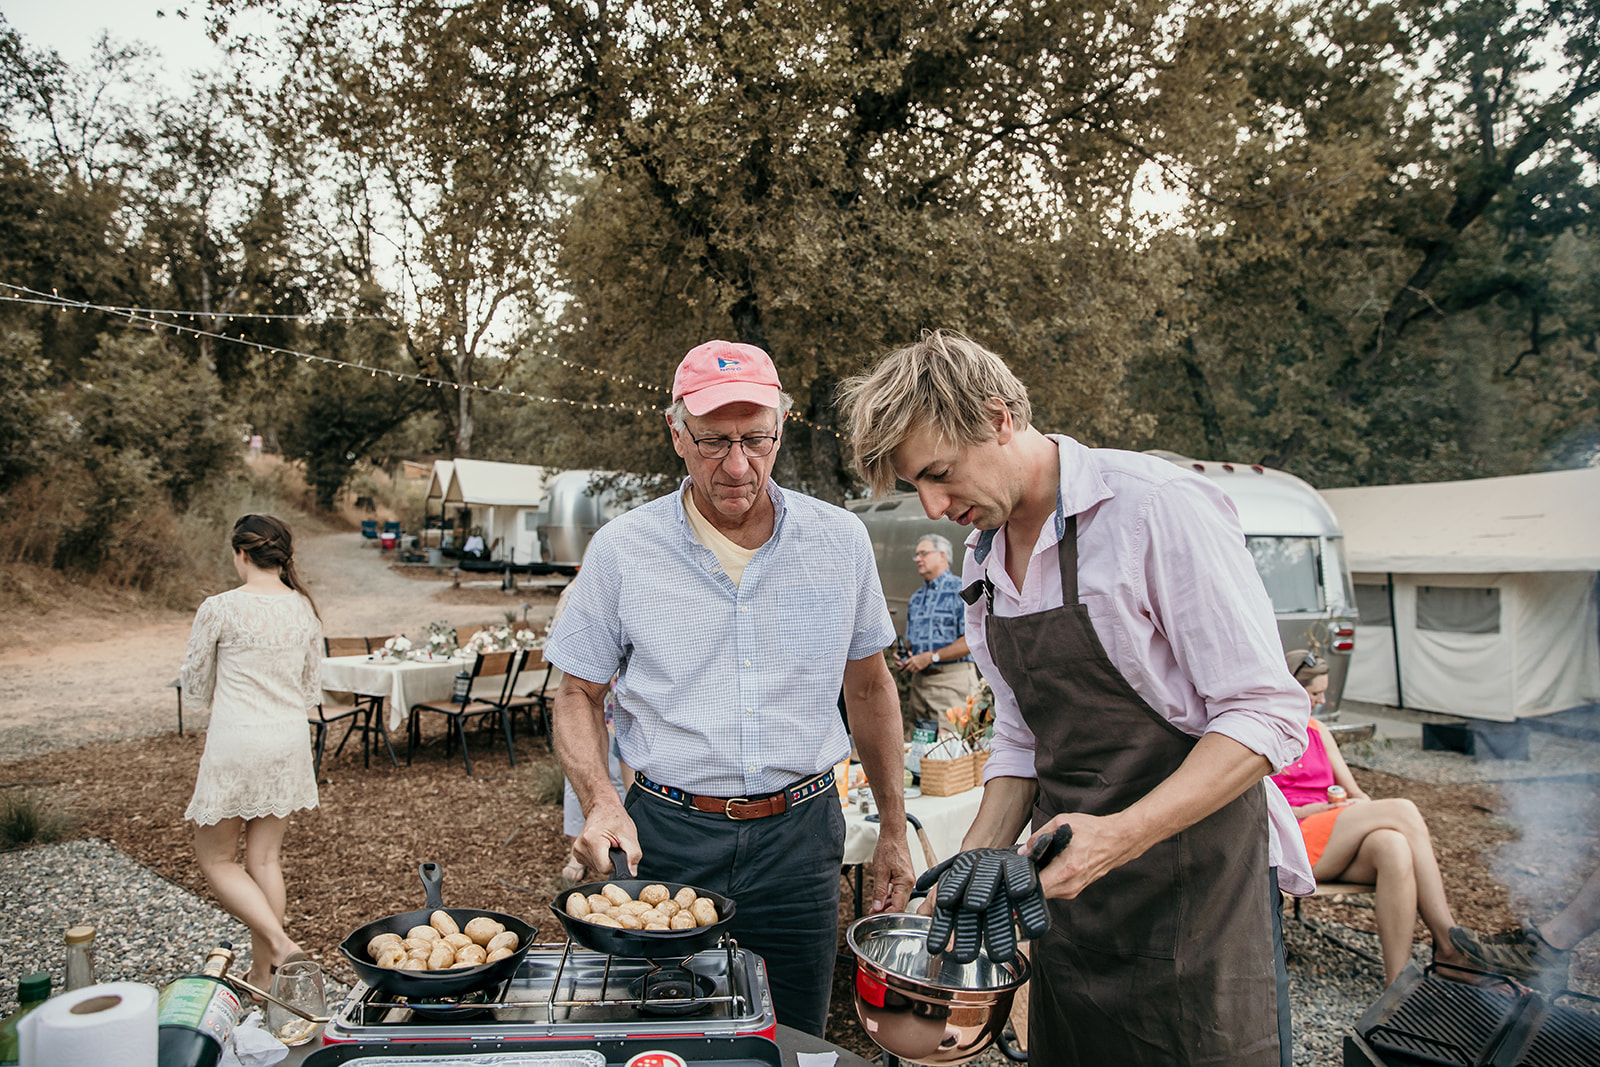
{"points": [[927, 1009]]}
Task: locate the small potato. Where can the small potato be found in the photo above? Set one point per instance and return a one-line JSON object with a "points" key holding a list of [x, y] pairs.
{"points": [[457, 941], [657, 926], [684, 897], [441, 957], [499, 953], [601, 903], [378, 942], [504, 939], [633, 907], [482, 929], [615, 893], [420, 942], [427, 933], [390, 956], [577, 905], [654, 894], [414, 964], [441, 921], [653, 916], [471, 954], [684, 920], [705, 912], [669, 908], [628, 922], [601, 919], [420, 953]]}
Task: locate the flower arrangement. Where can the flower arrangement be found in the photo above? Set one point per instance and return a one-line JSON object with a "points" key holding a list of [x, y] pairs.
{"points": [[974, 721], [501, 639], [441, 641], [397, 648]]}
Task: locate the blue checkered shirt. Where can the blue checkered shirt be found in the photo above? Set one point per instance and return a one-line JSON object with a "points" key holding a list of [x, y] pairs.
{"points": [[726, 690], [937, 615]]}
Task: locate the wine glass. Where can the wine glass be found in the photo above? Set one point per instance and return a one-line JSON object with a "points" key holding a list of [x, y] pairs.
{"points": [[300, 983]]}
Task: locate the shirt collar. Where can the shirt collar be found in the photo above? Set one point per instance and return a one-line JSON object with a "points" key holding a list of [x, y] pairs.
{"points": [[1080, 488]]}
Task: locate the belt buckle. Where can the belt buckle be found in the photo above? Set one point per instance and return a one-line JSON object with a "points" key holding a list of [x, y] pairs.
{"points": [[727, 807]]}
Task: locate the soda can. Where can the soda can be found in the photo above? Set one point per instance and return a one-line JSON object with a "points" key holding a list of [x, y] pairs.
{"points": [[1336, 794]]}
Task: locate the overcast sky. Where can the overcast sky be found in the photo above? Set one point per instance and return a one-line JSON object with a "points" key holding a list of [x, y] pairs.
{"points": [[72, 26]]}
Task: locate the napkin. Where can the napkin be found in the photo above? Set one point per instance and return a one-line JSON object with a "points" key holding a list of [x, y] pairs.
{"points": [[252, 1046], [817, 1059]]}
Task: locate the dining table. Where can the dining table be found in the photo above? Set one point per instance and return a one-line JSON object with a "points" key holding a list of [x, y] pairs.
{"points": [[944, 819], [402, 682]]}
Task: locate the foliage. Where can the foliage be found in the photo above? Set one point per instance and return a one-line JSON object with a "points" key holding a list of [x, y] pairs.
{"points": [[26, 431], [26, 818]]}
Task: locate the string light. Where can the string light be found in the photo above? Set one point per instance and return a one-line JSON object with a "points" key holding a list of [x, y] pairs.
{"points": [[145, 317]]}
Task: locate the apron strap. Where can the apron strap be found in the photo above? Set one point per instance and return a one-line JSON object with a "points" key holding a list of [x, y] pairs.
{"points": [[1067, 557]]}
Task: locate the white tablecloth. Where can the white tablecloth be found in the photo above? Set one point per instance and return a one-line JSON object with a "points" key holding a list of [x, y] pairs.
{"points": [[946, 820], [403, 682]]}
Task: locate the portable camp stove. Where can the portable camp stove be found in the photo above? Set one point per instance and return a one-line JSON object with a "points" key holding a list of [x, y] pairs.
{"points": [[714, 1007]]}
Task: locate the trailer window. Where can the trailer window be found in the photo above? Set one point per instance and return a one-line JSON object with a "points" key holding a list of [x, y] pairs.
{"points": [[1291, 569]]}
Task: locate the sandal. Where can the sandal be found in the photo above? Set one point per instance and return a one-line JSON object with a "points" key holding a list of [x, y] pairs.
{"points": [[1532, 960]]}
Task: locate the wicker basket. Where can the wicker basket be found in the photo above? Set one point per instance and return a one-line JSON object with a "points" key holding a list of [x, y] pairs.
{"points": [[947, 777], [979, 758]]}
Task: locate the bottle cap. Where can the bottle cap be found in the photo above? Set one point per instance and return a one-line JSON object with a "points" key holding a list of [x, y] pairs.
{"points": [[35, 986], [77, 935]]}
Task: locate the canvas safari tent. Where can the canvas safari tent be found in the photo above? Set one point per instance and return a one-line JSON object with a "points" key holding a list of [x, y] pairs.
{"points": [[499, 499], [1476, 598]]}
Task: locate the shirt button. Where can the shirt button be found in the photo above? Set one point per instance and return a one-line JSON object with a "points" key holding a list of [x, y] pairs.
{"points": [[747, 663], [744, 611], [752, 768], [749, 711]]}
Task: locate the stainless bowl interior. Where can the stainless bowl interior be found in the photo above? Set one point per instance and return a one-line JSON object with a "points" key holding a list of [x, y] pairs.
{"points": [[897, 944]]}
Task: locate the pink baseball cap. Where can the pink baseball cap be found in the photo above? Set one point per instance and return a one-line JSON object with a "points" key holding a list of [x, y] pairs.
{"points": [[725, 372]]}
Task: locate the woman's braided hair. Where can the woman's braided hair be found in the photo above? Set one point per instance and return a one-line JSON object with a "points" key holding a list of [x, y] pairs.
{"points": [[267, 543]]}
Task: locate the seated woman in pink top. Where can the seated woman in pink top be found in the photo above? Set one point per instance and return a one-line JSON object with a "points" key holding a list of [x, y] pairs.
{"points": [[1360, 839]]}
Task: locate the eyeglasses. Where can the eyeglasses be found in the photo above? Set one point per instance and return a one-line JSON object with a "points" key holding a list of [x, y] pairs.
{"points": [[919, 554], [754, 445]]}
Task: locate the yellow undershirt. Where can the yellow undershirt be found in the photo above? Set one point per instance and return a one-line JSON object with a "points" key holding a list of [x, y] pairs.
{"points": [[733, 557]]}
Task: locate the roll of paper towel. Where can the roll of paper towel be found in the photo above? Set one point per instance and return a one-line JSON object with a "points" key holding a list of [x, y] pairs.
{"points": [[113, 1024]]}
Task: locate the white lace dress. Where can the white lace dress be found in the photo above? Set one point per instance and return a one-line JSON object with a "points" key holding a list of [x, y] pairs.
{"points": [[256, 659]]}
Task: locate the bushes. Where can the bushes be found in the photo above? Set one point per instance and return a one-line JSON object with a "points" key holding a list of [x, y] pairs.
{"points": [[26, 819]]}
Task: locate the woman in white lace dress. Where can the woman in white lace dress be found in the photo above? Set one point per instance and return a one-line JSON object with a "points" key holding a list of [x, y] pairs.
{"points": [[255, 657]]}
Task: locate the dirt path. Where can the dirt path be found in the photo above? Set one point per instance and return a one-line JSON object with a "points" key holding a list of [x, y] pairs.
{"points": [[84, 678]]}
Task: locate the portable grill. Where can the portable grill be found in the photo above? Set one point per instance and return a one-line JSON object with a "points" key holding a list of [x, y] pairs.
{"points": [[714, 1007], [1425, 1019]]}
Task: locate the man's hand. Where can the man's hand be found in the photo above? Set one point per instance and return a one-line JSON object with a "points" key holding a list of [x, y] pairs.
{"points": [[891, 871], [603, 831], [1097, 847]]}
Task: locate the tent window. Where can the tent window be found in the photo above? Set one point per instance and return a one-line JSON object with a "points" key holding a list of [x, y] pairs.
{"points": [[530, 521], [1291, 569], [1461, 611], [1372, 603]]}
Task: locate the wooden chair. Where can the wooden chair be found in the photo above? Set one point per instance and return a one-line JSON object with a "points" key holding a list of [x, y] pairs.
{"points": [[364, 713], [462, 706], [532, 660]]}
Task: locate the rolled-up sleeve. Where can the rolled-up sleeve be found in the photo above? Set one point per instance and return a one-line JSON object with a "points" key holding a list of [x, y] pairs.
{"points": [[586, 640], [1202, 587]]}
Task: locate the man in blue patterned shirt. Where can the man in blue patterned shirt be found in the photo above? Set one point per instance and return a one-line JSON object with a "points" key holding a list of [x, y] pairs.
{"points": [[732, 612], [942, 673]]}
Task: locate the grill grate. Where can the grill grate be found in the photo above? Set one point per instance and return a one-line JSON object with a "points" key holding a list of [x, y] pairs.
{"points": [[1565, 1038]]}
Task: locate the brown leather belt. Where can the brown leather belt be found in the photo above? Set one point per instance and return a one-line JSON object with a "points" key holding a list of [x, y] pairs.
{"points": [[741, 808]]}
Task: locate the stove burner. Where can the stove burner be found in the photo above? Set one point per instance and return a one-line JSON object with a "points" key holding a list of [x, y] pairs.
{"points": [[671, 991], [474, 1005]]}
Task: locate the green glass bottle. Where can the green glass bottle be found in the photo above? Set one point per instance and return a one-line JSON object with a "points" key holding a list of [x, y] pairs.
{"points": [[33, 990], [197, 1013]]}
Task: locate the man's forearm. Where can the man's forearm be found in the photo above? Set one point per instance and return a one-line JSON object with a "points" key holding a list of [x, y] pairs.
{"points": [[578, 730], [1006, 807], [1217, 770]]}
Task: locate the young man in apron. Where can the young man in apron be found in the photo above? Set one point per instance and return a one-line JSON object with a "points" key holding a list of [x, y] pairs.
{"points": [[1141, 697]]}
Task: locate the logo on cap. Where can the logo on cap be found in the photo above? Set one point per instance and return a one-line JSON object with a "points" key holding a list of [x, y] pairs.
{"points": [[728, 364]]}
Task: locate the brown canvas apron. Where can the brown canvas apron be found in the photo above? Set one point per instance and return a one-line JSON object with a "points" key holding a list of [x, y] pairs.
{"points": [[1167, 959]]}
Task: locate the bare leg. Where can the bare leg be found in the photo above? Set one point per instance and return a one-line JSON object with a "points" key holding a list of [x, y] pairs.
{"points": [[259, 906], [1578, 920], [1384, 857], [1401, 817]]}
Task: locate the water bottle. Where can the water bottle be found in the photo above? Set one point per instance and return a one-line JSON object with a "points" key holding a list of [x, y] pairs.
{"points": [[80, 957]]}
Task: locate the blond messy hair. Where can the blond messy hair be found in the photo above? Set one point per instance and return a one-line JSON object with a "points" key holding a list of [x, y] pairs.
{"points": [[945, 380]]}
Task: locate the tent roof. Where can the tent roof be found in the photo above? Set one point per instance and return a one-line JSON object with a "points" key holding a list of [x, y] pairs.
{"points": [[478, 481], [439, 481], [1527, 522]]}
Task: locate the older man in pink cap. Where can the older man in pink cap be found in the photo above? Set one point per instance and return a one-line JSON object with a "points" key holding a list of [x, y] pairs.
{"points": [[731, 613]]}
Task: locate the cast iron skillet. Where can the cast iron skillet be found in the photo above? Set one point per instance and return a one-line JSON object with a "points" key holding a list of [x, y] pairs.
{"points": [[431, 984], [640, 944]]}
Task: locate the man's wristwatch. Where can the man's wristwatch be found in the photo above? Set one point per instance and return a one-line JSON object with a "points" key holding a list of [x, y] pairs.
{"points": [[936, 657]]}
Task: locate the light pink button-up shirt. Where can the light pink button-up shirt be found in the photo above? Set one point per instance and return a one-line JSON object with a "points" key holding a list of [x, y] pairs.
{"points": [[1176, 601]]}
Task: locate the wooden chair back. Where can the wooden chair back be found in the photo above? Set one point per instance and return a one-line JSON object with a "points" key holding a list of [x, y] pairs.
{"points": [[345, 646]]}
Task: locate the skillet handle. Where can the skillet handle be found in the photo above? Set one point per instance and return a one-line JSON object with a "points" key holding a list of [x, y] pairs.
{"points": [[619, 864], [432, 876]]}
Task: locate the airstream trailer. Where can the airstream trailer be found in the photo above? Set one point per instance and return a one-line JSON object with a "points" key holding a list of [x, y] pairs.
{"points": [[1292, 535], [569, 515]]}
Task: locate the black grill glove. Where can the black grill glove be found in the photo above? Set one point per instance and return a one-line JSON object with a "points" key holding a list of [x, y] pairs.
{"points": [[984, 893]]}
